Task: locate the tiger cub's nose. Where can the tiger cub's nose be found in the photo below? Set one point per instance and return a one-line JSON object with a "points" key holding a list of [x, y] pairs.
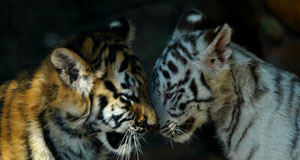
{"points": [[145, 117]]}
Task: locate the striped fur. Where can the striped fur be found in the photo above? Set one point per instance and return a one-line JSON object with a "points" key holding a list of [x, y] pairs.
{"points": [[89, 96], [202, 76]]}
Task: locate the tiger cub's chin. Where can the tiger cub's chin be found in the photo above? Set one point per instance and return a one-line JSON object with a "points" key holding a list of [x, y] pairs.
{"points": [[182, 133], [186, 137], [118, 143]]}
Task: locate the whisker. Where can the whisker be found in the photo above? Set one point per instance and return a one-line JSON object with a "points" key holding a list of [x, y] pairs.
{"points": [[123, 149], [136, 146], [171, 142], [142, 138]]}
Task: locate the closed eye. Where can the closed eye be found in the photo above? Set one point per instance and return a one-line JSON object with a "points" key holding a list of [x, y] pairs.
{"points": [[169, 95], [125, 99]]}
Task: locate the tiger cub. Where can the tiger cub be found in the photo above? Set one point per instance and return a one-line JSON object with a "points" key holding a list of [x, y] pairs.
{"points": [[88, 96], [202, 76]]}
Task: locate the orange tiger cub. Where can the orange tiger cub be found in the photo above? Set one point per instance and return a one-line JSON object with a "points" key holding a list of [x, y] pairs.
{"points": [[87, 96]]}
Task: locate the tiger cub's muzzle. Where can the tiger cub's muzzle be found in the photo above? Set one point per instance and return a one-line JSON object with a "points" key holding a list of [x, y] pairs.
{"points": [[173, 129]]}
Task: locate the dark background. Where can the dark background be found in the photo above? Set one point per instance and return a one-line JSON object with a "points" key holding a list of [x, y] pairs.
{"points": [[29, 29]]}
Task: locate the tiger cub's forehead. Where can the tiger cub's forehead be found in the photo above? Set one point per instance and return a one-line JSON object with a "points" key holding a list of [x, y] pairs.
{"points": [[185, 48]]}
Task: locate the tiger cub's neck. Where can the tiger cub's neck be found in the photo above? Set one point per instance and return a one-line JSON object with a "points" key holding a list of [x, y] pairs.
{"points": [[236, 86], [59, 138], [250, 99]]}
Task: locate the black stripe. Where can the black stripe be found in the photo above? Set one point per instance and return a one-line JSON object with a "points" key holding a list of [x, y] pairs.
{"points": [[180, 46], [279, 92], [209, 114], [133, 98], [136, 68], [119, 123], [97, 42], [253, 66], [292, 93], [234, 108], [169, 86], [91, 99], [61, 123], [166, 74], [236, 111], [244, 133], [193, 88], [165, 54], [172, 67], [176, 115], [295, 139], [177, 100], [125, 63], [191, 39], [127, 78], [178, 57], [113, 49], [28, 147], [110, 86], [170, 48], [203, 81], [112, 54], [102, 104], [186, 78], [183, 105], [237, 119], [48, 140], [97, 62], [210, 99], [251, 154], [258, 92], [124, 86], [227, 129]]}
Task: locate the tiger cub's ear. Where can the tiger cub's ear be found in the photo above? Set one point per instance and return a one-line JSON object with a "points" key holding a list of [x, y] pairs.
{"points": [[124, 28], [218, 50], [190, 21], [72, 69]]}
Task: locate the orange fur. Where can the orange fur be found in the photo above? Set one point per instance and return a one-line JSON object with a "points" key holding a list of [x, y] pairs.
{"points": [[28, 96]]}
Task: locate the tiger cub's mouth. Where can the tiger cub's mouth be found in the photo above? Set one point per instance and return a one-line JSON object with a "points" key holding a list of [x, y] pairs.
{"points": [[179, 132], [115, 139], [124, 143]]}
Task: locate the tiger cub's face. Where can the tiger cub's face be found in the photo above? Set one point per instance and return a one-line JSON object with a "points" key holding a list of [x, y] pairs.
{"points": [[182, 84], [114, 106]]}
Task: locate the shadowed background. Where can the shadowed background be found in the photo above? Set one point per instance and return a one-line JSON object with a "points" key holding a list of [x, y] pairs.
{"points": [[30, 29]]}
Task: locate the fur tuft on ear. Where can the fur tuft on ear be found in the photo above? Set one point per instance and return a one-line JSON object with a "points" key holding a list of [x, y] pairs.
{"points": [[72, 69], [190, 21], [218, 51], [124, 28]]}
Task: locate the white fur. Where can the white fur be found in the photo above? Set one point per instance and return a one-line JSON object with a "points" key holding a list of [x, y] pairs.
{"points": [[115, 24], [194, 18], [271, 133]]}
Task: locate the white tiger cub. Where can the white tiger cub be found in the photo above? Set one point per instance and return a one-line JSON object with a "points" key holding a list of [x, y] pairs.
{"points": [[202, 76]]}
